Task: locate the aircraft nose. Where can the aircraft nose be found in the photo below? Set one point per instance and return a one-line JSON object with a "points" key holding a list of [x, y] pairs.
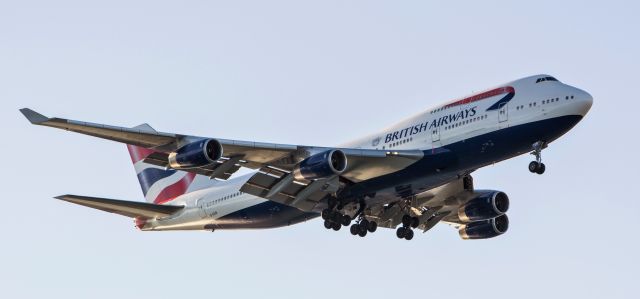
{"points": [[583, 101]]}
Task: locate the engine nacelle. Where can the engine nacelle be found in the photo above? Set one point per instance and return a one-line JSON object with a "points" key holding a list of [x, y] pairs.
{"points": [[196, 154], [322, 165], [485, 229], [488, 205]]}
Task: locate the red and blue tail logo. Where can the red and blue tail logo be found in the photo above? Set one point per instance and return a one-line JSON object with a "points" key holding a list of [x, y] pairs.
{"points": [[158, 185]]}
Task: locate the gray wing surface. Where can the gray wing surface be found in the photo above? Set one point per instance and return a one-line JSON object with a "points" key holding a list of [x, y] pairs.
{"points": [[273, 160], [131, 209]]}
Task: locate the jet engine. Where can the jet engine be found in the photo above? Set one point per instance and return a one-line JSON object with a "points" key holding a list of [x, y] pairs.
{"points": [[484, 229], [489, 204], [322, 165], [196, 154]]}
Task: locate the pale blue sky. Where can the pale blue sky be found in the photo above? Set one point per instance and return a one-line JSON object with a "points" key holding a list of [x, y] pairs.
{"points": [[320, 72]]}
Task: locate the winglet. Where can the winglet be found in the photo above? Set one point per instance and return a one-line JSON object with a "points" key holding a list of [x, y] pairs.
{"points": [[33, 117]]}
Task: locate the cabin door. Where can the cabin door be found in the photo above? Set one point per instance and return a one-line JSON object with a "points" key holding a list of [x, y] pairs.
{"points": [[503, 113], [435, 135]]}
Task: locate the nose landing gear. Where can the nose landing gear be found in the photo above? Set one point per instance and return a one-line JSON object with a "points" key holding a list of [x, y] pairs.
{"points": [[537, 166]]}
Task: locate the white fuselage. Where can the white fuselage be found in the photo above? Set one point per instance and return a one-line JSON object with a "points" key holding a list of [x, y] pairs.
{"points": [[519, 102]]}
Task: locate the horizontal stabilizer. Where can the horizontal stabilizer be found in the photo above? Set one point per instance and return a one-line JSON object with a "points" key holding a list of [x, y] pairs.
{"points": [[132, 209]]}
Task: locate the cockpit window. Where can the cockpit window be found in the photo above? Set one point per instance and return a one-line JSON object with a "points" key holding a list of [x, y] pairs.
{"points": [[543, 79]]}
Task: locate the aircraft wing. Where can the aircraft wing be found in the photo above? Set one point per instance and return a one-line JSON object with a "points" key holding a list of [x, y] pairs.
{"points": [[275, 161], [363, 163], [131, 209], [431, 207]]}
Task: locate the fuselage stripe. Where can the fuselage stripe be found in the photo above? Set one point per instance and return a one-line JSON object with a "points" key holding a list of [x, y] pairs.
{"points": [[482, 96]]}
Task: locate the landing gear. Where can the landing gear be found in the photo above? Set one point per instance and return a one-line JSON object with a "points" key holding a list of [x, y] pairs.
{"points": [[326, 214], [363, 227], [328, 224], [408, 235], [537, 166], [408, 221], [406, 231], [334, 219], [346, 220]]}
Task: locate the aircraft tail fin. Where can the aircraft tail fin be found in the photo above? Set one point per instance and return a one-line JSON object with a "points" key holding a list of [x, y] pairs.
{"points": [[160, 185]]}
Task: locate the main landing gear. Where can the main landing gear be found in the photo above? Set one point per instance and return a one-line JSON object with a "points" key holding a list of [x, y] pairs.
{"points": [[335, 220], [363, 227], [537, 166], [406, 230]]}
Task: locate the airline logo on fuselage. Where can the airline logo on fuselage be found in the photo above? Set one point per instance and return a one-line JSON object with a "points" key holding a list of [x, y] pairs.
{"points": [[444, 120]]}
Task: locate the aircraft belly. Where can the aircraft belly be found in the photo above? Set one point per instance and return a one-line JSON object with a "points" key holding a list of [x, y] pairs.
{"points": [[267, 214], [470, 154]]}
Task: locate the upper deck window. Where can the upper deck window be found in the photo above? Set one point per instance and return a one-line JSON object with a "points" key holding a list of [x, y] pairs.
{"points": [[543, 79]]}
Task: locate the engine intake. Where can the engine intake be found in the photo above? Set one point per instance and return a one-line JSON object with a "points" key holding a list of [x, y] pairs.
{"points": [[488, 205], [196, 154], [484, 229], [322, 165]]}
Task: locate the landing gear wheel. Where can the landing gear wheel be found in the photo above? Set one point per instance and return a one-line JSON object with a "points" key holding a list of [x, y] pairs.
{"points": [[364, 223], [415, 222], [406, 220], [401, 232], [362, 232], [336, 226], [328, 224], [408, 235], [354, 229], [372, 226], [326, 214], [336, 217], [346, 220], [537, 167], [541, 168], [533, 166]]}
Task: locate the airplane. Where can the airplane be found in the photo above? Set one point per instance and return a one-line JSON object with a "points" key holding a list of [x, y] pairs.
{"points": [[410, 176]]}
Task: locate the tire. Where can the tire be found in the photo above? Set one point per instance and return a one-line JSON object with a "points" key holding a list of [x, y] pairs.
{"points": [[354, 229], [415, 222], [364, 223], [400, 232], [336, 226], [541, 168], [408, 235], [336, 217], [406, 220], [328, 224], [533, 166], [326, 214], [362, 233], [346, 220], [373, 226]]}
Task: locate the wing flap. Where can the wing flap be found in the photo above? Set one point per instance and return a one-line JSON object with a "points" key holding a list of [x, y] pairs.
{"points": [[260, 184], [131, 209]]}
